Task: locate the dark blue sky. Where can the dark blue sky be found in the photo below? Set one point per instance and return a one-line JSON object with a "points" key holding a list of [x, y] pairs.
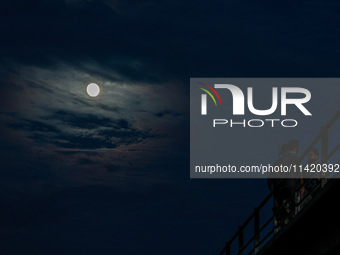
{"points": [[110, 175]]}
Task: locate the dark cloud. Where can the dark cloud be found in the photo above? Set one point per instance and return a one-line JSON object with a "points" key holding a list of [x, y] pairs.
{"points": [[33, 126], [83, 141], [74, 152], [167, 112], [92, 131], [109, 108], [112, 168], [85, 121], [85, 161]]}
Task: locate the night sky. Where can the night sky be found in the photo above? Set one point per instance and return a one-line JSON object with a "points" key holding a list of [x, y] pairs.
{"points": [[110, 174]]}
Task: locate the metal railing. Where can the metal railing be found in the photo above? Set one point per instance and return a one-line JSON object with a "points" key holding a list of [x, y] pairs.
{"points": [[257, 240]]}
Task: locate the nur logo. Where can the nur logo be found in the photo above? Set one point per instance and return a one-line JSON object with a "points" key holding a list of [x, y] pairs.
{"points": [[239, 99]]}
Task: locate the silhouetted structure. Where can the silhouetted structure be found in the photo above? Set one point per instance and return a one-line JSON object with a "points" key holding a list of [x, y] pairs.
{"points": [[315, 229]]}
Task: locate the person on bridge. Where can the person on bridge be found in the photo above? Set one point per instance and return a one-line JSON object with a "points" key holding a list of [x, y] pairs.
{"points": [[284, 185], [313, 180], [272, 182]]}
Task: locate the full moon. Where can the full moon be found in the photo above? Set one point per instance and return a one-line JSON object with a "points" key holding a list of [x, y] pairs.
{"points": [[93, 90]]}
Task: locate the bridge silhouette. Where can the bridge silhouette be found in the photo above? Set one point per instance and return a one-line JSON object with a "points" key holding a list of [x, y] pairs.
{"points": [[313, 229]]}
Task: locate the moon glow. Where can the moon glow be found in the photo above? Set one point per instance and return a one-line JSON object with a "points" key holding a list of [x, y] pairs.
{"points": [[93, 90]]}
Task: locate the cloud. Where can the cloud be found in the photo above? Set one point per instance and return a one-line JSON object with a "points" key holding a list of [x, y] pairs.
{"points": [[121, 134], [33, 126], [85, 161], [81, 131], [86, 121], [112, 168], [167, 112], [142, 54]]}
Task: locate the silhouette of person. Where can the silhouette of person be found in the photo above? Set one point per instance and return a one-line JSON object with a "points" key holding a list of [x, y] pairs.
{"points": [[284, 184], [312, 181], [273, 181]]}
